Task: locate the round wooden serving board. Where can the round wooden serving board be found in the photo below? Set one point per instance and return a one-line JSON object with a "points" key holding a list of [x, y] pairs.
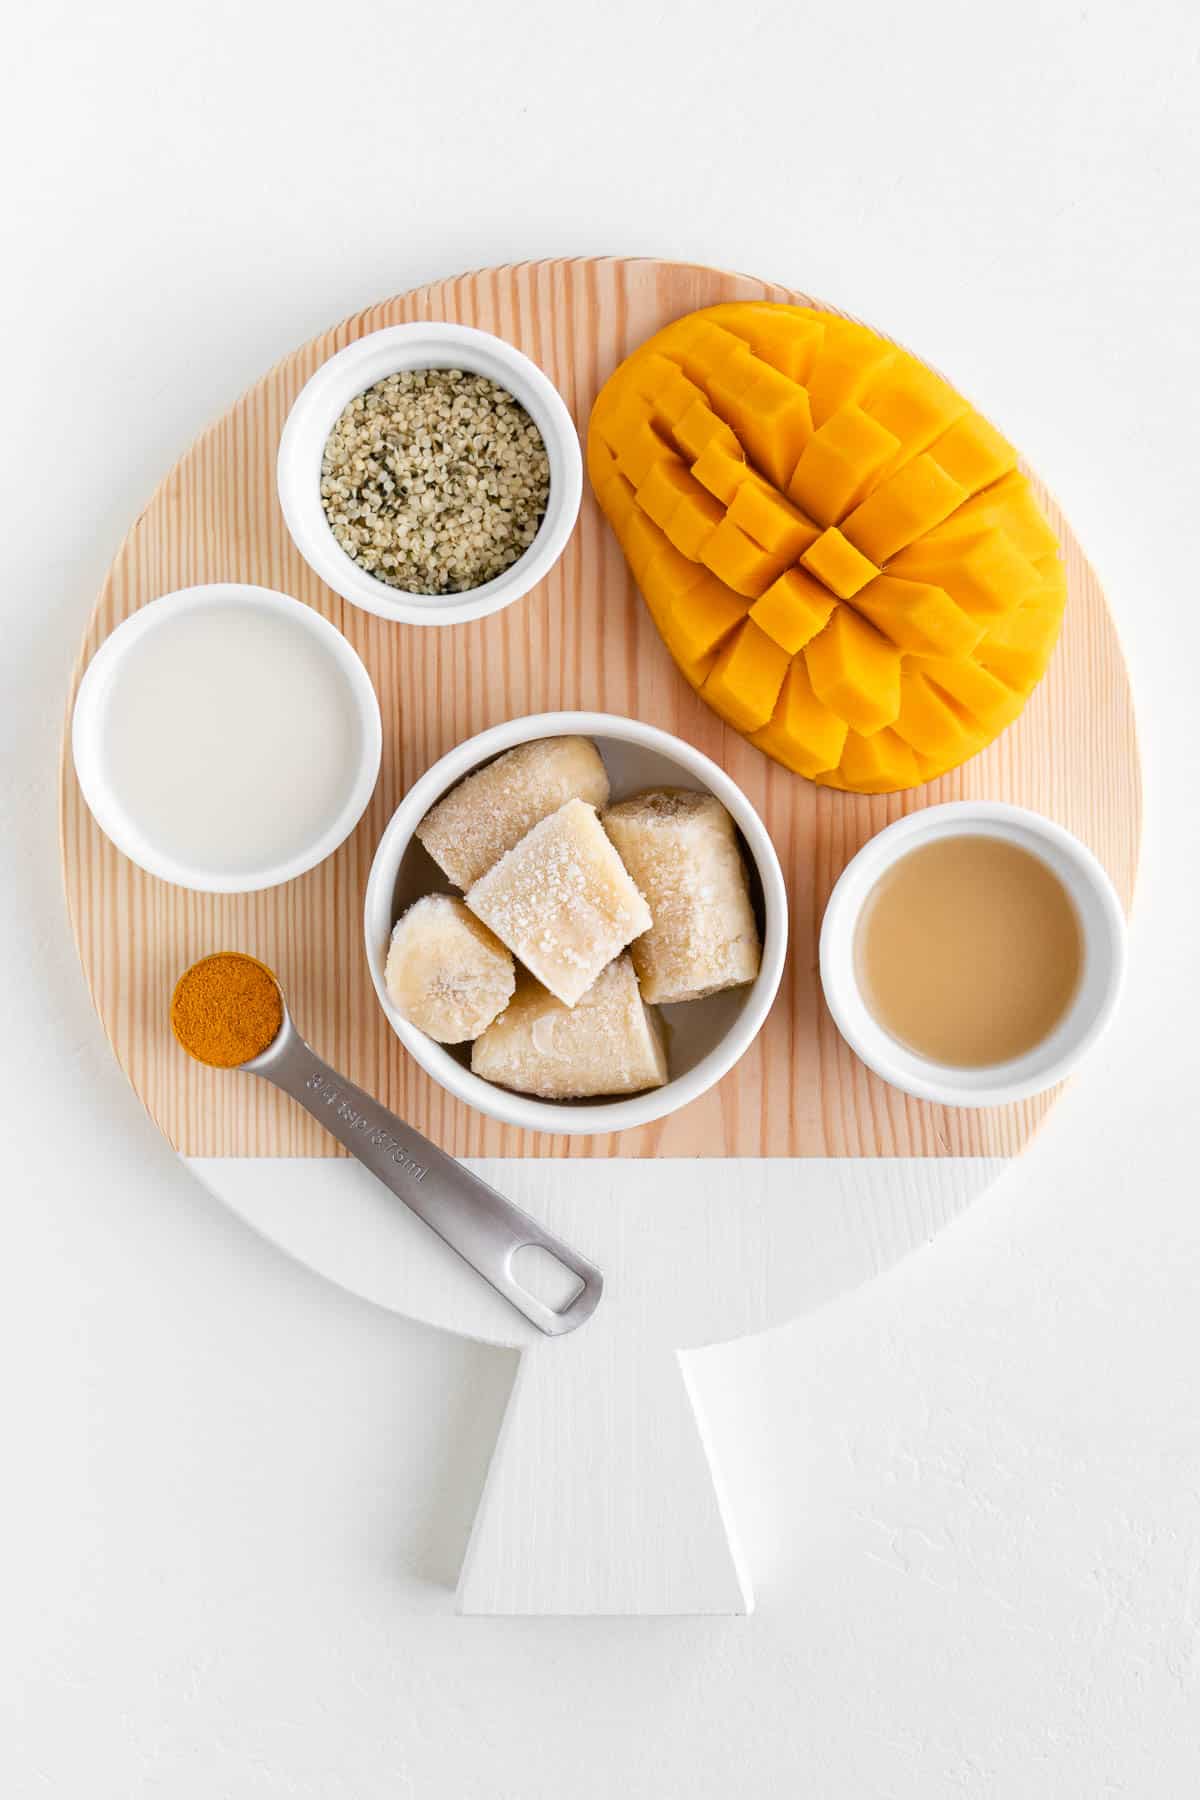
{"points": [[582, 639]]}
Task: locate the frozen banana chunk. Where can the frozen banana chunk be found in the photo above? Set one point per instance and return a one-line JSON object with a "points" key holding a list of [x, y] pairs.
{"points": [[446, 972], [682, 850], [562, 901], [485, 815], [610, 1043]]}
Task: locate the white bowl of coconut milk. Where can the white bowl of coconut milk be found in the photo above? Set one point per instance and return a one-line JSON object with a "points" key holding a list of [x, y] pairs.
{"points": [[226, 738]]}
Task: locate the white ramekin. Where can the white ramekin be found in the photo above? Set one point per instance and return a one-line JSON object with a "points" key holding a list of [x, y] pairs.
{"points": [[88, 739], [1101, 918], [705, 1037], [359, 366]]}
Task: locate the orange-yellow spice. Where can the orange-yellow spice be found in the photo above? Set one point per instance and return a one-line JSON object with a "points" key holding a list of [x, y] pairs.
{"points": [[226, 1009]]}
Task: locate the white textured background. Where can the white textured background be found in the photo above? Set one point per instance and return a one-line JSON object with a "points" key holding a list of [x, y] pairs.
{"points": [[232, 1497]]}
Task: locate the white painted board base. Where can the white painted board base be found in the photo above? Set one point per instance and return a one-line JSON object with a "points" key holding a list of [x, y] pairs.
{"points": [[603, 1495]]}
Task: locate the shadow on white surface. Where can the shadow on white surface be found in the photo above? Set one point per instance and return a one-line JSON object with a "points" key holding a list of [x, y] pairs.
{"points": [[455, 1478]]}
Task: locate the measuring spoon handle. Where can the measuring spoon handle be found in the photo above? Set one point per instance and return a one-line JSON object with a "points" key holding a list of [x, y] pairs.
{"points": [[469, 1215]]}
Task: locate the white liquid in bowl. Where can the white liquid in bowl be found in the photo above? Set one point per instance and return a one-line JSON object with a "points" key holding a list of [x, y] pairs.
{"points": [[230, 738]]}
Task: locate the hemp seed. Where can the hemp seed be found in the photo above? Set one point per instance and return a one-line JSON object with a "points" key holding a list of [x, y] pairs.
{"points": [[435, 480]]}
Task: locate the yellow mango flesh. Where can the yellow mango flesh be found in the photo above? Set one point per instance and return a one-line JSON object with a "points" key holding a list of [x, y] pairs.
{"points": [[787, 337], [720, 473], [839, 564], [984, 573], [771, 520], [855, 670], [697, 620], [878, 764], [667, 484], [699, 427], [841, 555], [918, 617], [793, 610], [744, 683], [973, 453], [914, 404], [803, 733], [840, 464], [850, 358], [735, 558], [931, 723], [1017, 649], [903, 508]]}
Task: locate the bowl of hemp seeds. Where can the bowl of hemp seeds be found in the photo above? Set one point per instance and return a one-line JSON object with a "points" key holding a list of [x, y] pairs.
{"points": [[430, 473]]}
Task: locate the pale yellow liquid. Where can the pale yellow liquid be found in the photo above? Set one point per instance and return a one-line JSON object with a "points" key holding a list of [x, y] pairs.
{"points": [[969, 951]]}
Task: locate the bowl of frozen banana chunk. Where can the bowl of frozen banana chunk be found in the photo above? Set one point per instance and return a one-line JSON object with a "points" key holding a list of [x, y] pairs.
{"points": [[576, 923]]}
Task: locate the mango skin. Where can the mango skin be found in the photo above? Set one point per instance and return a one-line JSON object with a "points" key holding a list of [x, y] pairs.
{"points": [[840, 553]]}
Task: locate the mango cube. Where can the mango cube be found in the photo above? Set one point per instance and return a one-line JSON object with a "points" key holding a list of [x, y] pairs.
{"points": [[642, 539], [980, 696], [735, 558], [787, 337], [1009, 506], [701, 617], [903, 507], [1017, 648], [916, 615], [700, 426], [840, 464], [803, 733], [720, 473], [693, 522], [771, 520], [876, 764], [855, 671], [973, 453], [707, 352], [668, 481], [775, 422], [834, 560], [848, 361], [670, 393], [984, 573], [640, 447], [914, 404], [744, 682], [667, 578], [932, 723], [793, 610]]}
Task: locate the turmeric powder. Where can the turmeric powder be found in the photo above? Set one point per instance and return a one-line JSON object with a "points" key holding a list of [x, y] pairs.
{"points": [[226, 1009]]}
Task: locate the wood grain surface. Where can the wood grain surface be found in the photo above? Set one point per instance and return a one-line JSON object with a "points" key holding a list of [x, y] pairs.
{"points": [[581, 639]]}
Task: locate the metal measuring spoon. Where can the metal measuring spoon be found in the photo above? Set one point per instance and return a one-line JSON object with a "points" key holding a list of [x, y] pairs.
{"points": [[480, 1224]]}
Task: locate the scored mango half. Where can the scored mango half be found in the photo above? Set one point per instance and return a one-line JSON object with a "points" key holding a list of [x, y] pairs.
{"points": [[840, 554]]}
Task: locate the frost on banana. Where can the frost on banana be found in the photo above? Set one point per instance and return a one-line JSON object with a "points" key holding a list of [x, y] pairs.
{"points": [[609, 1043], [562, 901], [682, 851], [446, 973], [484, 816]]}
